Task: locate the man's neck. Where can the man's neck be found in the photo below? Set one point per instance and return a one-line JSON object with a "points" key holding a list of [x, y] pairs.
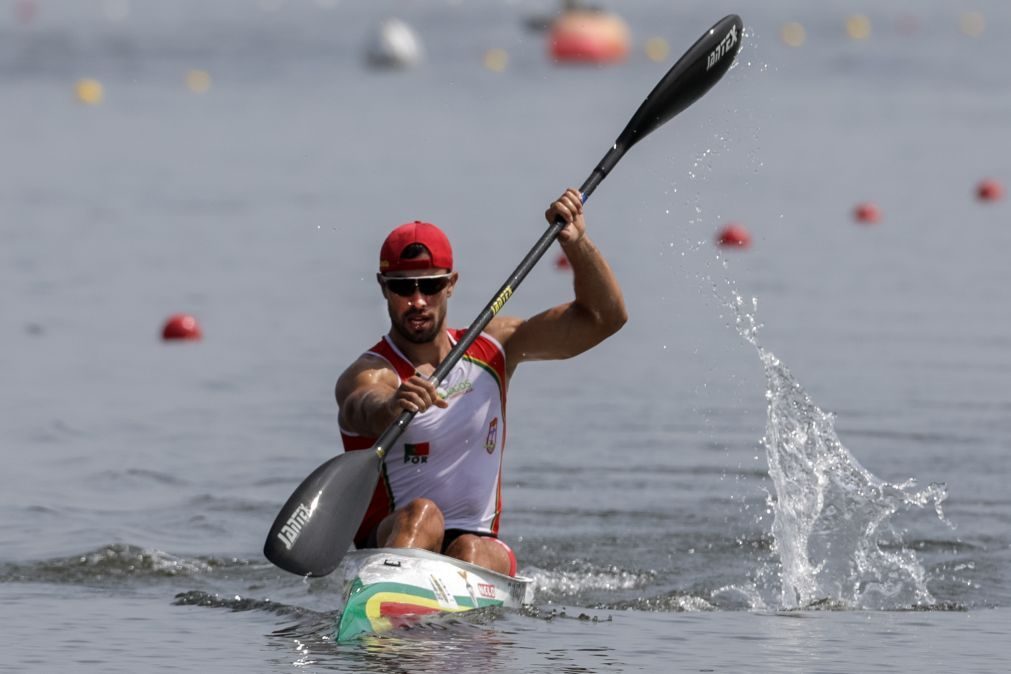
{"points": [[427, 353]]}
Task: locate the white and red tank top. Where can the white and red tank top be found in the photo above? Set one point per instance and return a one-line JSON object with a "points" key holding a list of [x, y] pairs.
{"points": [[452, 456]]}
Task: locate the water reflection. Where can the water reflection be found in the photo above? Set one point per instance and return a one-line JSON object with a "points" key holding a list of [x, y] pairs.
{"points": [[446, 644]]}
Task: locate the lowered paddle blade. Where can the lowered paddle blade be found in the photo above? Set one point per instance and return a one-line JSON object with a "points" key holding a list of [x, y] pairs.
{"points": [[317, 524]]}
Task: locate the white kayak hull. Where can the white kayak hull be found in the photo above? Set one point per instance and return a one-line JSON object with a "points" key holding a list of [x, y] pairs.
{"points": [[385, 588]]}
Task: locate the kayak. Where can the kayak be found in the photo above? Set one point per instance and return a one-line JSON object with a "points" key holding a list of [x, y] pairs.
{"points": [[387, 588]]}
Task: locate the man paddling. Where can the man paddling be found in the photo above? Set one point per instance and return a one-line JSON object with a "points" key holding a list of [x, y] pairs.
{"points": [[441, 483]]}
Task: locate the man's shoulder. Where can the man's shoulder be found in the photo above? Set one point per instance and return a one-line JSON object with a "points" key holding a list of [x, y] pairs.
{"points": [[366, 370], [503, 327], [369, 360]]}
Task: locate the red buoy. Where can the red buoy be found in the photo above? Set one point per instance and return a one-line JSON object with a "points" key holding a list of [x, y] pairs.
{"points": [[989, 190], [181, 326], [733, 235], [867, 213], [588, 36], [25, 10], [562, 262]]}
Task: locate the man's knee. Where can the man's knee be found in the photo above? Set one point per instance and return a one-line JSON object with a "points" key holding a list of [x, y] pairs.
{"points": [[424, 510], [483, 551], [419, 524], [465, 546]]}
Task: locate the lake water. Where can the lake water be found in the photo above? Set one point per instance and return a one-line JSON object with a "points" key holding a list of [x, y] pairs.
{"points": [[722, 486]]}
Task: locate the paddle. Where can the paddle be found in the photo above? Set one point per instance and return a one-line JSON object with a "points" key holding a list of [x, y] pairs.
{"points": [[318, 522]]}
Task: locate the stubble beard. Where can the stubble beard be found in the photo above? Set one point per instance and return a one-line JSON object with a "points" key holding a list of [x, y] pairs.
{"points": [[425, 337]]}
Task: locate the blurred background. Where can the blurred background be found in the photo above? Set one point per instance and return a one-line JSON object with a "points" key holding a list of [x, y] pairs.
{"points": [[192, 198]]}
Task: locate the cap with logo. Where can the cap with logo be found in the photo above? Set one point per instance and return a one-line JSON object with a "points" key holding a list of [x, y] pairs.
{"points": [[424, 233]]}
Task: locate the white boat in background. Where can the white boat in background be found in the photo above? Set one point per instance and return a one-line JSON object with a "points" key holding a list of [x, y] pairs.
{"points": [[386, 588], [394, 44]]}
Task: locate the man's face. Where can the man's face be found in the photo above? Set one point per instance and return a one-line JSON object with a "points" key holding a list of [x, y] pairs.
{"points": [[416, 301]]}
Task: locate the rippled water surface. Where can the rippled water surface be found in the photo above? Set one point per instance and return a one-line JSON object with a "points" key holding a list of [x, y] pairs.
{"points": [[793, 457]]}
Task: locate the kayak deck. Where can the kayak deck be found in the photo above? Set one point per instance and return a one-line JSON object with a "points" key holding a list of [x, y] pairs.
{"points": [[386, 588]]}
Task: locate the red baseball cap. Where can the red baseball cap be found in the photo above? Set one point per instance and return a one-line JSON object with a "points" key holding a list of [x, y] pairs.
{"points": [[425, 233]]}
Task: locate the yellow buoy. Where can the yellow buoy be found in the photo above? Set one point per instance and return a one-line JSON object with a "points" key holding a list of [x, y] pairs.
{"points": [[972, 23], [657, 49], [496, 60], [858, 27], [198, 81], [793, 34], [88, 91]]}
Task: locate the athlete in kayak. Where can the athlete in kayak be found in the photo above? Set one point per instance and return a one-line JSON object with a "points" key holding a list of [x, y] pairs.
{"points": [[441, 483]]}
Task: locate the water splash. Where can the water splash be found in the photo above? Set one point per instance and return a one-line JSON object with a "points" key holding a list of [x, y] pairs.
{"points": [[582, 578], [240, 604], [832, 518], [115, 563], [671, 602]]}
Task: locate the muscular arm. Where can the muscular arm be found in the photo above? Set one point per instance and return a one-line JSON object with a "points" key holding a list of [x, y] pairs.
{"points": [[596, 312], [369, 399]]}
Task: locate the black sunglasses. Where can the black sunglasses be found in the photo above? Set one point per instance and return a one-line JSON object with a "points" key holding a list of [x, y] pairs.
{"points": [[405, 286]]}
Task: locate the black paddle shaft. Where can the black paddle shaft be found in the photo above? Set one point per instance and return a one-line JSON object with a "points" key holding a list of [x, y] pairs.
{"points": [[693, 75], [316, 525]]}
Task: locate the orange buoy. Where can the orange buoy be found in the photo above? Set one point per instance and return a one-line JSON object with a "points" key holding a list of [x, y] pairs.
{"points": [[867, 213], [989, 190], [733, 235], [181, 327], [588, 36]]}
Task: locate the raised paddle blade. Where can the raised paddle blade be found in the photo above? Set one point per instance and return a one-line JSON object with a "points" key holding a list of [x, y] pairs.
{"points": [[317, 524], [694, 74]]}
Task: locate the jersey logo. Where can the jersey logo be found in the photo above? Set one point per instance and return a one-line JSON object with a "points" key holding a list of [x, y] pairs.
{"points": [[416, 453], [492, 439], [456, 389]]}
